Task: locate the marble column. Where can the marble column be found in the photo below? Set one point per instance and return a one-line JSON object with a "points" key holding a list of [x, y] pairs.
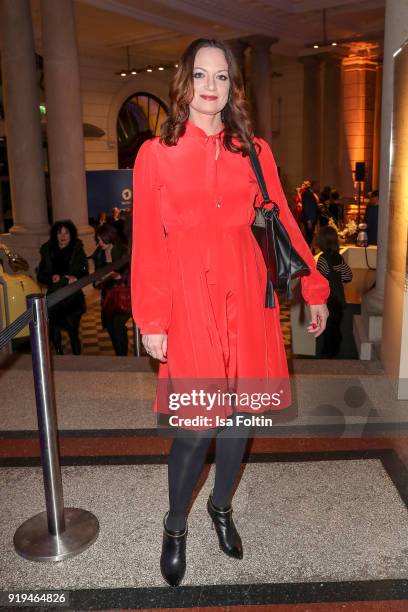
{"points": [[238, 48], [23, 130], [330, 158], [261, 84], [64, 116], [396, 33], [358, 120], [312, 117]]}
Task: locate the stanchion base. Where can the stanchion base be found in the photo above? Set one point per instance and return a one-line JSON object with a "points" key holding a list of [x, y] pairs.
{"points": [[33, 541]]}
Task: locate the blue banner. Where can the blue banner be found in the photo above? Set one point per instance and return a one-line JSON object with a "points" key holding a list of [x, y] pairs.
{"points": [[107, 189]]}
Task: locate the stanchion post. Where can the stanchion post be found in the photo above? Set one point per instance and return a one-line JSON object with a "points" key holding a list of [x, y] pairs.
{"points": [[58, 533], [46, 414]]}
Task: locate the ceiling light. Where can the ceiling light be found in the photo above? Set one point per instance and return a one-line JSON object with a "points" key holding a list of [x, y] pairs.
{"points": [[176, 65], [334, 44], [315, 46], [140, 69]]}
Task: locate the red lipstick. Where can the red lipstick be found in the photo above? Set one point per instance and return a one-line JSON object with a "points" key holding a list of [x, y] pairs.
{"points": [[209, 97]]}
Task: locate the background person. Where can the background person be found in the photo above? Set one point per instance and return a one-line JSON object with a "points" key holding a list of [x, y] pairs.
{"points": [[336, 210], [117, 221], [110, 249], [371, 217], [310, 212], [331, 264], [63, 261], [102, 218]]}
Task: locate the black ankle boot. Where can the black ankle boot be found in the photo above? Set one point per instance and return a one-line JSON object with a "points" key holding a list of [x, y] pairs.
{"points": [[228, 536], [173, 556]]}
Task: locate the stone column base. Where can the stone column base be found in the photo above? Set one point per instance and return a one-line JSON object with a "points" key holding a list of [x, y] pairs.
{"points": [[367, 327]]}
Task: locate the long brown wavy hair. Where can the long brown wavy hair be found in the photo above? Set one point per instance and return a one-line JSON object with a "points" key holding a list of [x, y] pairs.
{"points": [[235, 115]]}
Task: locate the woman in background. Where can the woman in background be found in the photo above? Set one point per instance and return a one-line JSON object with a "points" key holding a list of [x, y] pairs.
{"points": [[63, 261], [110, 249], [332, 265]]}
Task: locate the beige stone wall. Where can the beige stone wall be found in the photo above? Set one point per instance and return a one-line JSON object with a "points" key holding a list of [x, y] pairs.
{"points": [[103, 93]]}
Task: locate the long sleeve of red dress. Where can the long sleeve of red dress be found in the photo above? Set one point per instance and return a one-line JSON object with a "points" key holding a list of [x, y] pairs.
{"points": [[151, 292], [315, 287]]}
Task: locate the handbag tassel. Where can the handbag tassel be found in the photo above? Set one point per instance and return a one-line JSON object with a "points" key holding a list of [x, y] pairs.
{"points": [[270, 297]]}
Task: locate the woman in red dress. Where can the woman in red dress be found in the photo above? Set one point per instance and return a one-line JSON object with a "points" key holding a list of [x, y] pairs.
{"points": [[198, 284]]}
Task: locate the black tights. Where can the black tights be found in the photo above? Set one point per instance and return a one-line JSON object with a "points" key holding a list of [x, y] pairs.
{"points": [[186, 459]]}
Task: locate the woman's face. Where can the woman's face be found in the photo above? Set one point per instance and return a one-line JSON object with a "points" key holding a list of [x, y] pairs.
{"points": [[211, 81], [103, 244], [63, 237]]}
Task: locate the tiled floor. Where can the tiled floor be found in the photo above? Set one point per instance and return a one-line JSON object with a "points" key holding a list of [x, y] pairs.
{"points": [[94, 339]]}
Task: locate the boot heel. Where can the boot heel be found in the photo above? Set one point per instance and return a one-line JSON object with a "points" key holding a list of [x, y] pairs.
{"points": [[228, 537]]}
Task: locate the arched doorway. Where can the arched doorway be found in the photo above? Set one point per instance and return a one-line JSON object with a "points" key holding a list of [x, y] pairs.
{"points": [[139, 119]]}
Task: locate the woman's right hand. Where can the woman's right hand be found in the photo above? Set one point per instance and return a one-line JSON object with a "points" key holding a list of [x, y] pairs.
{"points": [[56, 278], [156, 346]]}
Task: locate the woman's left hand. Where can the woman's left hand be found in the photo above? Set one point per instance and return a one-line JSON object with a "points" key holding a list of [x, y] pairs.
{"points": [[319, 314], [71, 279]]}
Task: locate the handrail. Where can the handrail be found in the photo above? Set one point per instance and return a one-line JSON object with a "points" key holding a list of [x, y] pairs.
{"points": [[64, 292]]}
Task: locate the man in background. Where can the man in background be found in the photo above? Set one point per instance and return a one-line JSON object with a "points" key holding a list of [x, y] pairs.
{"points": [[310, 211], [117, 222], [371, 217]]}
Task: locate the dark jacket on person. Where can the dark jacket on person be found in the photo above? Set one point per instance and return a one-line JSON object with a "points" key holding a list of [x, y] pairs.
{"points": [[336, 211], [371, 218], [337, 271], [69, 261], [310, 209]]}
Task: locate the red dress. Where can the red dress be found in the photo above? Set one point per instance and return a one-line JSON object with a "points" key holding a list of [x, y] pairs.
{"points": [[197, 271]]}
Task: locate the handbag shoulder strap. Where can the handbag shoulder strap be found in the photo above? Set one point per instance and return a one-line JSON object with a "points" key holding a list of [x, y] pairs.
{"points": [[256, 166]]}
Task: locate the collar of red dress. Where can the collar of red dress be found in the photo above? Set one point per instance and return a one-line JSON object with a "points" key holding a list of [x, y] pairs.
{"points": [[193, 130]]}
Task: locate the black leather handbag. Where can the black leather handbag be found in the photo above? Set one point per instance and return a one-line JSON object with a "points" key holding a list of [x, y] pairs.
{"points": [[283, 262]]}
